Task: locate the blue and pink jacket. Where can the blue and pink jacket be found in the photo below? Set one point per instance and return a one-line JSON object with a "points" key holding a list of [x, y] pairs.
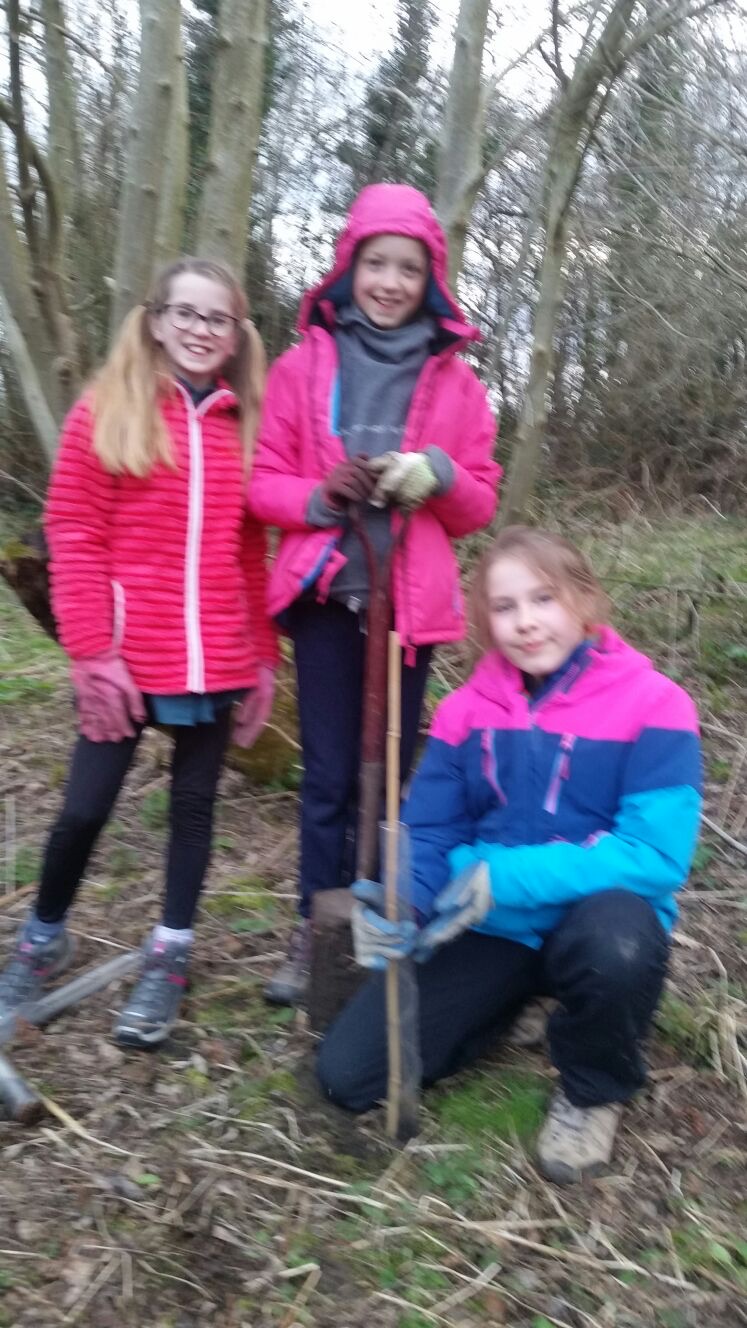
{"points": [[299, 443], [593, 783]]}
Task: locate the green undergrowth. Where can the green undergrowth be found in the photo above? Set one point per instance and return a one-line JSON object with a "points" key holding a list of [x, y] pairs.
{"points": [[505, 1104], [686, 1026]]}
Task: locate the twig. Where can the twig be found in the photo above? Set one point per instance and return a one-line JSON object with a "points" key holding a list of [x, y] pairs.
{"points": [[473, 1288], [724, 834], [75, 1127], [308, 1287], [11, 479]]}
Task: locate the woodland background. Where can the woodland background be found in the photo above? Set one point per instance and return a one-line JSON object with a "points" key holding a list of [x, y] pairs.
{"points": [[592, 186]]}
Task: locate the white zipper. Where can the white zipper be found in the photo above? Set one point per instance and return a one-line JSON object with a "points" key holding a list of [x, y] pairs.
{"points": [[195, 652]]}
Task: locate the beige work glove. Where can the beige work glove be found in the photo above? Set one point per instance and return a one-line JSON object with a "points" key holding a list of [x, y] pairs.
{"points": [[404, 478]]}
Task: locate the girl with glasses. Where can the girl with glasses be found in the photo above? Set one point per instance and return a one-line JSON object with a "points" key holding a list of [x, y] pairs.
{"points": [[158, 588]]}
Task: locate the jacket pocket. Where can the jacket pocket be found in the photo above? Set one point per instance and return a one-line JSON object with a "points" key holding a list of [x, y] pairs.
{"points": [[561, 769]]}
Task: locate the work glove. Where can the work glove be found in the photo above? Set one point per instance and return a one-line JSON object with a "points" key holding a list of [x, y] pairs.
{"points": [[463, 903], [110, 703], [253, 712], [376, 940], [348, 482], [404, 478]]}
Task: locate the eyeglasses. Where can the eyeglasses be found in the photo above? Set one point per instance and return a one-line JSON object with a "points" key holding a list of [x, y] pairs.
{"points": [[183, 317]]}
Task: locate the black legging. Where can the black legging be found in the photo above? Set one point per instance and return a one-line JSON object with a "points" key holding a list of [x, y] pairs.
{"points": [[97, 773]]}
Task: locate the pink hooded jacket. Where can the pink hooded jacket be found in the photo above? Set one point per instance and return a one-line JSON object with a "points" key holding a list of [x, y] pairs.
{"points": [[449, 409]]}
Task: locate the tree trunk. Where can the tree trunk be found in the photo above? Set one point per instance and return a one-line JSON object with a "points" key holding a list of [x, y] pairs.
{"points": [[64, 141], [170, 228], [578, 109], [32, 338], [235, 122], [460, 171], [34, 398], [147, 154]]}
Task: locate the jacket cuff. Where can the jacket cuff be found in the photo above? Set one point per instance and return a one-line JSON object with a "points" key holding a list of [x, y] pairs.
{"points": [[443, 468], [319, 513]]}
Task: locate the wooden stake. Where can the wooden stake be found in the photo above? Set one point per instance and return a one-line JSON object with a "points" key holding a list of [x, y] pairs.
{"points": [[391, 873]]}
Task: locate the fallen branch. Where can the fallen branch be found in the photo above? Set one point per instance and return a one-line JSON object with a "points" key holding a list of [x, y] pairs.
{"points": [[724, 834]]}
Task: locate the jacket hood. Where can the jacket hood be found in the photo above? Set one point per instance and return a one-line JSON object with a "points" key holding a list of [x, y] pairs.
{"points": [[499, 680], [388, 209]]}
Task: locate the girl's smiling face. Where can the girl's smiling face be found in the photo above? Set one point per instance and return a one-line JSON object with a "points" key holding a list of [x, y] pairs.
{"points": [[197, 327], [534, 628], [389, 279]]}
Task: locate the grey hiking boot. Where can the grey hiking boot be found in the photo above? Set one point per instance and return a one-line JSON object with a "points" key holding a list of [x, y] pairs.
{"points": [[153, 1006], [32, 965], [289, 984], [530, 1025], [576, 1141]]}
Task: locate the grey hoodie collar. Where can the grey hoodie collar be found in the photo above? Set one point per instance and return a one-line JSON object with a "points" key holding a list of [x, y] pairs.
{"points": [[394, 345]]}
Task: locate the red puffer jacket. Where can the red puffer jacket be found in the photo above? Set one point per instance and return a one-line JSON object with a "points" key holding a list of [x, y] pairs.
{"points": [[169, 569]]}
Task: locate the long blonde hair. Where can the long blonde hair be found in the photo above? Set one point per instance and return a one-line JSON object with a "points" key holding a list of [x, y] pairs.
{"points": [[560, 564], [129, 430]]}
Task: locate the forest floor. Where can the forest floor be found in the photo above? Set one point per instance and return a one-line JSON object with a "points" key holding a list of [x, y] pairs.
{"points": [[209, 1184]]}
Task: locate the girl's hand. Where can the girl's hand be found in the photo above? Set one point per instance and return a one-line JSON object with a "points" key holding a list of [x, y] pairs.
{"points": [[254, 711], [461, 905], [405, 478], [110, 704], [348, 482], [375, 939]]}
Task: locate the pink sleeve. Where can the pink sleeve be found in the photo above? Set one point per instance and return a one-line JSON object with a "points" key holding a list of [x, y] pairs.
{"points": [[279, 491], [264, 640], [472, 500], [77, 523]]}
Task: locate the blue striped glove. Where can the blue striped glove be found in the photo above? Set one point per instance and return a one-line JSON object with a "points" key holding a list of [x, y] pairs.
{"points": [[462, 904], [375, 939]]}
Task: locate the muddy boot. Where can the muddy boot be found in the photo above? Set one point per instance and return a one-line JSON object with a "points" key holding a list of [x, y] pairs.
{"points": [[289, 984], [31, 967], [153, 1007], [576, 1141], [529, 1028]]}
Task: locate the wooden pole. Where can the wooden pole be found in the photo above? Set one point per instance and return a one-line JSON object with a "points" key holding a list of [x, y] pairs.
{"points": [[391, 874]]}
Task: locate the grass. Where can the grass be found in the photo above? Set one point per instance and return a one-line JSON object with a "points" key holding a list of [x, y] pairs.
{"points": [[505, 1104]]}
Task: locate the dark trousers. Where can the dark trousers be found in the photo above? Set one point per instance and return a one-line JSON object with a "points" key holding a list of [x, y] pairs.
{"points": [[329, 649], [97, 773], [605, 963]]}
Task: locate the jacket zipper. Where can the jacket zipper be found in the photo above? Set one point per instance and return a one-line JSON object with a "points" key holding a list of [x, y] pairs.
{"points": [[403, 551], [560, 771], [195, 512], [490, 765]]}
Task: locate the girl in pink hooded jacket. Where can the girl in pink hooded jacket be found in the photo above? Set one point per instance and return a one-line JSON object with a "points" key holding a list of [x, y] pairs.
{"points": [[373, 409]]}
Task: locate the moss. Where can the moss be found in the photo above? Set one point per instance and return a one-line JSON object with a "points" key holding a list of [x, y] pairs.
{"points": [[251, 1095], [685, 1026], [506, 1104]]}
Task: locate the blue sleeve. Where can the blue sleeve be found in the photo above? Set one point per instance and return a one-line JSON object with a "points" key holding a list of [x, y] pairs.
{"points": [[438, 818], [648, 850]]}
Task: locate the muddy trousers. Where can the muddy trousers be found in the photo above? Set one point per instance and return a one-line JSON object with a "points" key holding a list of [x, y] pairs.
{"points": [[329, 649], [97, 773], [605, 963]]}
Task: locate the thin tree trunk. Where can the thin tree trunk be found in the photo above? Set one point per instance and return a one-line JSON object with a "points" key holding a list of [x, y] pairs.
{"points": [[170, 228], [16, 284], [64, 139], [147, 154], [578, 109], [461, 169], [235, 122], [34, 397]]}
